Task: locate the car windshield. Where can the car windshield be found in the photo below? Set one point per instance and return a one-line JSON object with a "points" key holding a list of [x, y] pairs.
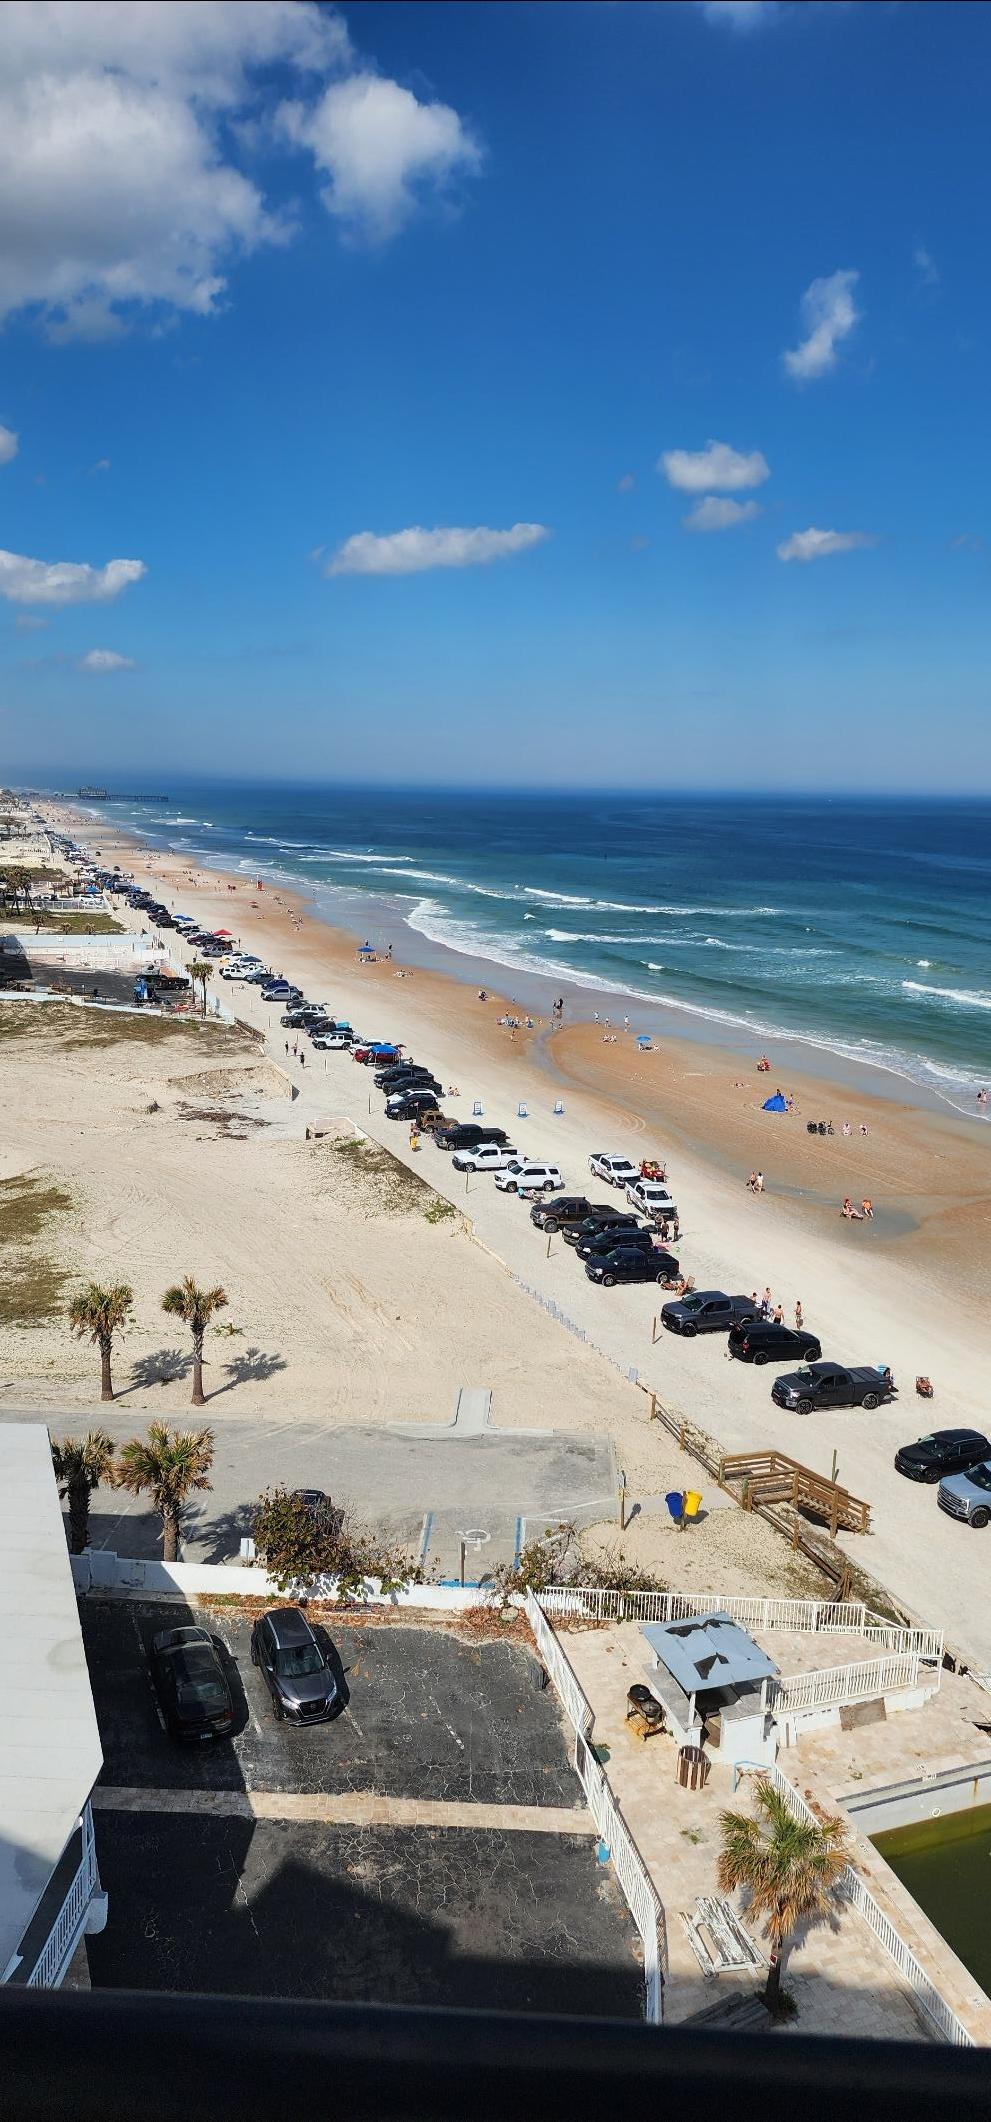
{"points": [[692, 1304], [298, 1659], [980, 1475]]}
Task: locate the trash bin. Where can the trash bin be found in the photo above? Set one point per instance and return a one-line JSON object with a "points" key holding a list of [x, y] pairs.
{"points": [[676, 1504], [693, 1767], [693, 1503]]}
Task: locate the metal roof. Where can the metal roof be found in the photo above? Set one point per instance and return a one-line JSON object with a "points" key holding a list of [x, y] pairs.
{"points": [[708, 1651], [50, 1754]]}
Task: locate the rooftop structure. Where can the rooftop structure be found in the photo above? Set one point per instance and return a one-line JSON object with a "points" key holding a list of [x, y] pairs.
{"points": [[50, 1755]]}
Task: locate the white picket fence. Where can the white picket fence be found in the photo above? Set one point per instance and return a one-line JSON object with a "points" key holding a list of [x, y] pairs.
{"points": [[853, 1890], [833, 1685], [830, 1617], [642, 1898]]}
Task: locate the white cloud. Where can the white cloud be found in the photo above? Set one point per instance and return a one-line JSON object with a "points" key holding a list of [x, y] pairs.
{"points": [[818, 544], [105, 659], [128, 142], [694, 471], [926, 266], [58, 582], [626, 484], [8, 445], [829, 314], [715, 513], [380, 148], [102, 465], [743, 15], [26, 623], [409, 552]]}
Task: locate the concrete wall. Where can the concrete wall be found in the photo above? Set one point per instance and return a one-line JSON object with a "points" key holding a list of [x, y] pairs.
{"points": [[926, 1798], [99, 1569]]}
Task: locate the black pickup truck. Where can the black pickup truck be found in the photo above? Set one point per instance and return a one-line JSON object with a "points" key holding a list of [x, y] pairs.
{"points": [[705, 1311], [557, 1215], [829, 1385]]}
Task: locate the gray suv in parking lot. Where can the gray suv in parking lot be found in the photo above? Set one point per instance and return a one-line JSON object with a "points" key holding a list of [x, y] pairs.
{"points": [[295, 1669]]}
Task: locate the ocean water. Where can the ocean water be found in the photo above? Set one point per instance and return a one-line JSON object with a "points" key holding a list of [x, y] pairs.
{"points": [[858, 928]]}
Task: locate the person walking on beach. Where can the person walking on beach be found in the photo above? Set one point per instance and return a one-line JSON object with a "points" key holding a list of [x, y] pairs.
{"points": [[799, 1315], [752, 1183], [759, 1183], [302, 1060], [765, 1303], [779, 1315], [287, 1049]]}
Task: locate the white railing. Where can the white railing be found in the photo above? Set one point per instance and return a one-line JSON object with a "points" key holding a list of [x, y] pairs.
{"points": [[827, 1617], [642, 1898], [67, 1927], [835, 1684], [852, 1889]]}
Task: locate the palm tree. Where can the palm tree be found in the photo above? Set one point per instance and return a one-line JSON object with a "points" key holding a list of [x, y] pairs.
{"points": [[81, 1463], [201, 970], [196, 1307], [168, 1466], [98, 1314], [790, 1868]]}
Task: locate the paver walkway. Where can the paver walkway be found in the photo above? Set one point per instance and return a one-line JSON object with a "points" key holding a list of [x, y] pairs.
{"points": [[359, 1808]]}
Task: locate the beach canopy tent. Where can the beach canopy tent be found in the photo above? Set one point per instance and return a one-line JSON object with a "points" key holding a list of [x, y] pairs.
{"points": [[644, 1041], [707, 1651], [776, 1104]]}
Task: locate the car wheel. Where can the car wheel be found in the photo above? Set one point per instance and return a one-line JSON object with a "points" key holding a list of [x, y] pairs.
{"points": [[812, 1353], [549, 1226], [870, 1401], [689, 1332], [608, 1281], [662, 1277], [548, 1186], [512, 1188], [804, 1407], [760, 1356], [979, 1519]]}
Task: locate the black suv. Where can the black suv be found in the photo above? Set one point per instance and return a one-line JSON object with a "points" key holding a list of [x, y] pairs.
{"points": [[412, 1104], [294, 1667], [465, 1134], [763, 1341], [606, 1241], [553, 1215], [600, 1219], [397, 1075], [629, 1263], [944, 1451]]}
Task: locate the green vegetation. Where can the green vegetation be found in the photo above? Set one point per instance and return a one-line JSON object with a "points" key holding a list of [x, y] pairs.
{"points": [[167, 1465], [397, 1191], [97, 923], [96, 1315], [790, 1870], [32, 1288], [81, 1463], [299, 1545], [60, 1024], [196, 1307], [559, 1558]]}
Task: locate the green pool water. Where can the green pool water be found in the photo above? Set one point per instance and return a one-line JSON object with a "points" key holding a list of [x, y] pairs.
{"points": [[946, 1866]]}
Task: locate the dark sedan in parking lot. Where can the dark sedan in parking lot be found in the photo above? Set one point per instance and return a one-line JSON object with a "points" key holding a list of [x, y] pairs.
{"points": [[191, 1684]]}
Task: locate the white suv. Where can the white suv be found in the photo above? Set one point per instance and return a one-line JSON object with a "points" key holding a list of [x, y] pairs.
{"points": [[486, 1157], [522, 1176]]}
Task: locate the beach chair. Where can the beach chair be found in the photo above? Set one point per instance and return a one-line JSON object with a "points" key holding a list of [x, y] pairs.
{"points": [[522, 1111], [477, 1109]]}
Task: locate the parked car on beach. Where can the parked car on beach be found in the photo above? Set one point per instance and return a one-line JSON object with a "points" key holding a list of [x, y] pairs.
{"points": [[968, 1496], [616, 1171], [485, 1157], [628, 1263], [330, 1042], [599, 1218], [652, 1199], [606, 1241], [553, 1215], [705, 1311], [460, 1134], [944, 1451], [829, 1385], [763, 1341], [523, 1174]]}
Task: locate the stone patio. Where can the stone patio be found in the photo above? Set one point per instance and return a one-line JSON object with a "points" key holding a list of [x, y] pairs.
{"points": [[842, 1980]]}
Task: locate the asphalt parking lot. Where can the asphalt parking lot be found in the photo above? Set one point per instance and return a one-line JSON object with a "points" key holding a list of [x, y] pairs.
{"points": [[311, 1862]]}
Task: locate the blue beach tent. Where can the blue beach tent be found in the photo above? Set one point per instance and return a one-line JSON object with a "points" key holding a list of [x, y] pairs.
{"points": [[775, 1104]]}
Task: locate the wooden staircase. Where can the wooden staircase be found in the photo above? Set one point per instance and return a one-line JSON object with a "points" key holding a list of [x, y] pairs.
{"points": [[785, 1491]]}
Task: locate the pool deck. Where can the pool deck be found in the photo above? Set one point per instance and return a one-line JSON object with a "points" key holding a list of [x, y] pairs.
{"points": [[842, 1980]]}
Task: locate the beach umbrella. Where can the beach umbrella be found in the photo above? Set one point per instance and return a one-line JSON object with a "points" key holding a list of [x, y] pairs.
{"points": [[775, 1104]]}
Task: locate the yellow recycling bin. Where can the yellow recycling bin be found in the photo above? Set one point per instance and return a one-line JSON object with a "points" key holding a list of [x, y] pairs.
{"points": [[693, 1503]]}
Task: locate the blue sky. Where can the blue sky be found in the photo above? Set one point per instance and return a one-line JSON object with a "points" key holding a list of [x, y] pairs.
{"points": [[281, 283]]}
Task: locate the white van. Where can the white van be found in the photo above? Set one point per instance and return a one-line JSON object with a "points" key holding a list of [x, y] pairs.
{"points": [[523, 1176]]}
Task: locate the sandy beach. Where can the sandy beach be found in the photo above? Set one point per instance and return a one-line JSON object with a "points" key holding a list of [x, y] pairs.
{"points": [[904, 1289]]}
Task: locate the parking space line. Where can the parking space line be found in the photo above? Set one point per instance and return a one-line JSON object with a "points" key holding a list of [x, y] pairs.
{"points": [[362, 1808]]}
